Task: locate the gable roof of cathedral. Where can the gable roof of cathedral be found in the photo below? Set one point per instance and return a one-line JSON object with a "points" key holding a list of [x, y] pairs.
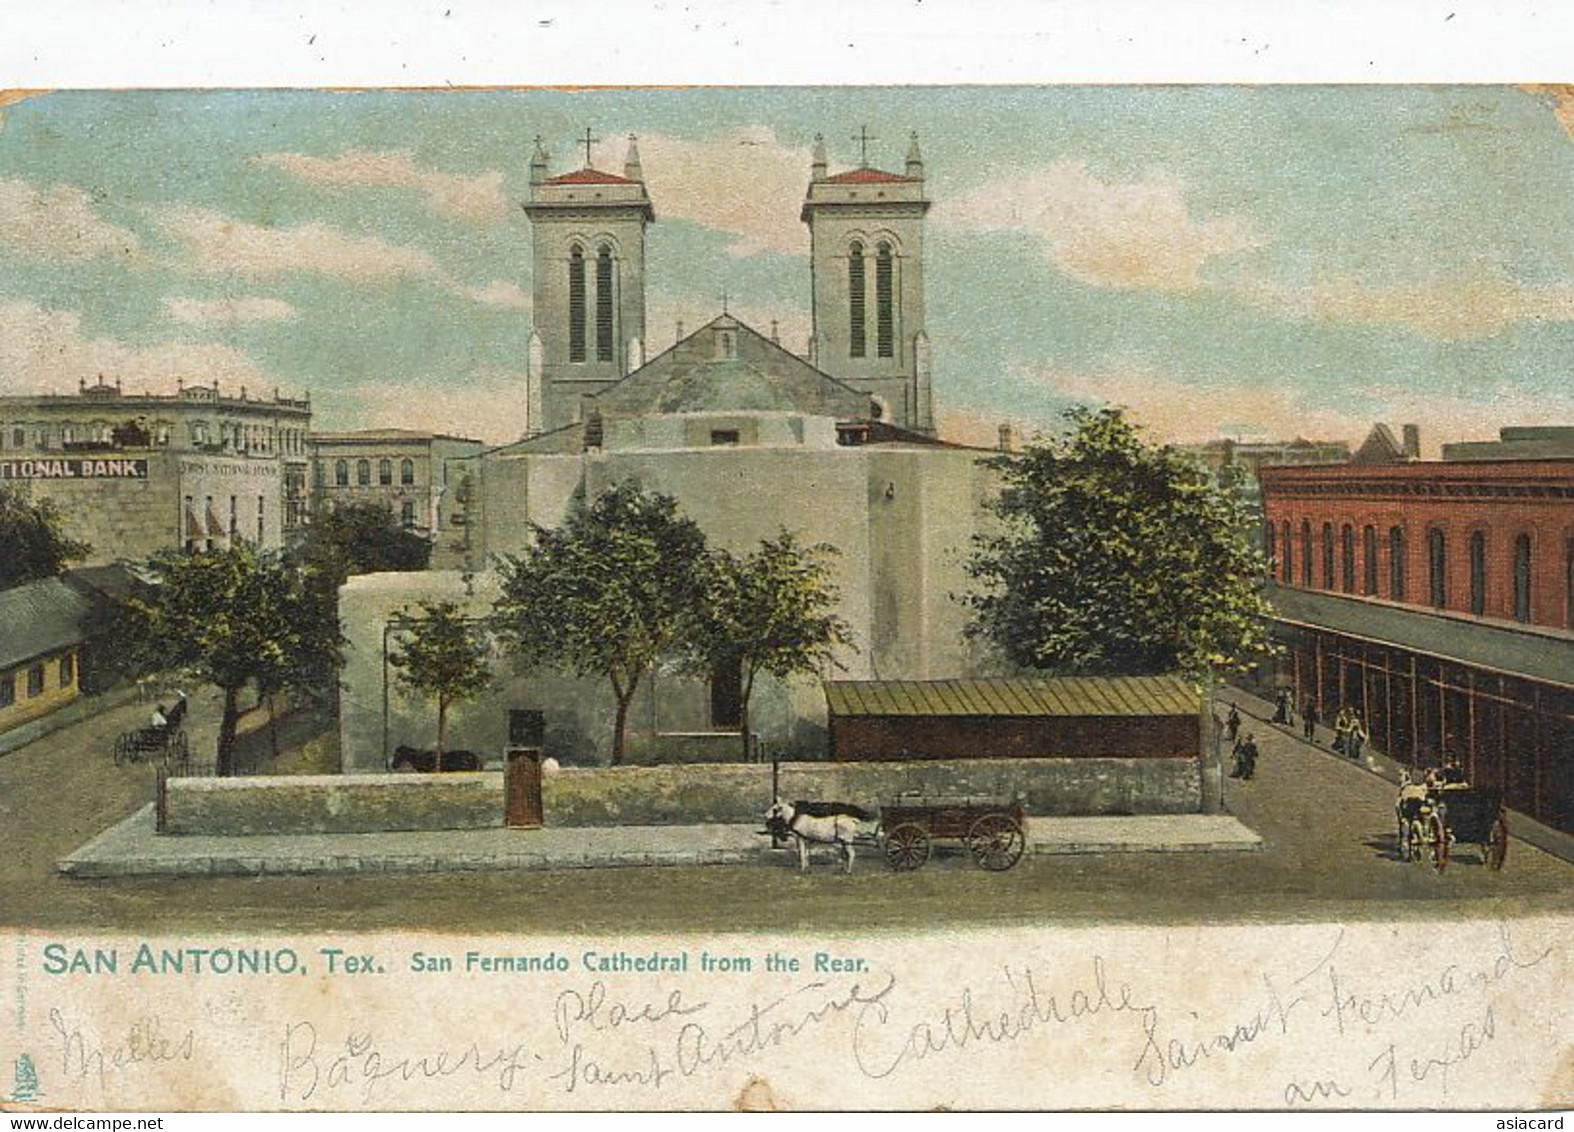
{"points": [[589, 176], [696, 375], [866, 176]]}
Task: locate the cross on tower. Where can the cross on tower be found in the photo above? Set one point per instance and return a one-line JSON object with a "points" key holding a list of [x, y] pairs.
{"points": [[589, 141], [863, 137]]}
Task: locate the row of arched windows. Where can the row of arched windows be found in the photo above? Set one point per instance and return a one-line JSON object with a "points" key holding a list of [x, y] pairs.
{"points": [[363, 473], [578, 300], [1294, 559], [884, 301]]}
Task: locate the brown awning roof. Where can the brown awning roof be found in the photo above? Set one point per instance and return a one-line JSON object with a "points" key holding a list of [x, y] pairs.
{"points": [[1050, 695]]}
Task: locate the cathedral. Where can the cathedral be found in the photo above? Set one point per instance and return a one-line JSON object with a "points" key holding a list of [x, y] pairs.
{"points": [[836, 444]]}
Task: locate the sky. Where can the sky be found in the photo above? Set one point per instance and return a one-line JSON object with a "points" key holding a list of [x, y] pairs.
{"points": [[1258, 262]]}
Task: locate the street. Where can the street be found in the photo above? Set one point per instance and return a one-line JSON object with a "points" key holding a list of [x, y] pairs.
{"points": [[1327, 827]]}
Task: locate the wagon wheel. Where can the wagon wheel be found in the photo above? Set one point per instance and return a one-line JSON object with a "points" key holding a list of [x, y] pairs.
{"points": [[1497, 843], [907, 847], [996, 842], [1437, 841], [1415, 841]]}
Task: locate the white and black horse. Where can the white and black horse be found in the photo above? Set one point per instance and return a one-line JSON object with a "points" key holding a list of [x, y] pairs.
{"points": [[822, 823]]}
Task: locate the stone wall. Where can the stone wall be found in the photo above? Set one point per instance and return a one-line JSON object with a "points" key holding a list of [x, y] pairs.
{"points": [[329, 803], [664, 795]]}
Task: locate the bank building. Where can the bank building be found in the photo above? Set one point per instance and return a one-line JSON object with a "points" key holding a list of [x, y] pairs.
{"points": [[837, 444]]}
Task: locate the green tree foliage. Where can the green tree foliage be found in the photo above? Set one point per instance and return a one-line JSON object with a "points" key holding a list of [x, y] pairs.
{"points": [[1115, 556], [442, 656], [233, 617], [771, 612], [360, 538], [33, 543], [606, 593]]}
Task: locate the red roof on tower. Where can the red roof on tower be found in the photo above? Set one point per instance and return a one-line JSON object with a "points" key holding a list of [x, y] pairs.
{"points": [[588, 176], [865, 177]]}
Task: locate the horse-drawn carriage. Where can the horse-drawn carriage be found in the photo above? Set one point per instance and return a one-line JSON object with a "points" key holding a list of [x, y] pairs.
{"points": [[991, 827], [167, 743], [1434, 818]]}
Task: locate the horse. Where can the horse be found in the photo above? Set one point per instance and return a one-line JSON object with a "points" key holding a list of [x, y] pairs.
{"points": [[823, 823]]}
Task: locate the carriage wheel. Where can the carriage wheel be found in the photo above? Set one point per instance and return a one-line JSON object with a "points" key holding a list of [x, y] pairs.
{"points": [[1497, 843], [996, 842], [907, 847], [1437, 842]]}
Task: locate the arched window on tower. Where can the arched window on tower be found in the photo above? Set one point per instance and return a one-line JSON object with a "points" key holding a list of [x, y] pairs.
{"points": [[1328, 556], [576, 304], [406, 471], [857, 346], [604, 304], [884, 315], [385, 472], [341, 473], [1306, 553], [1287, 567], [363, 473], [1347, 558]]}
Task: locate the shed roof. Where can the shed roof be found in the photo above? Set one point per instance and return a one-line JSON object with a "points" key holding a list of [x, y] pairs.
{"points": [[40, 618], [1050, 695]]}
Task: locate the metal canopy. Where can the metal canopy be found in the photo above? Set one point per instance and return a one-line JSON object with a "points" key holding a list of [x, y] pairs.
{"points": [[1045, 696]]}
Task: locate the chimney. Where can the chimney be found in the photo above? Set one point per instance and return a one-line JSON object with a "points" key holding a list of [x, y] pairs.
{"points": [[1412, 441], [1008, 442]]}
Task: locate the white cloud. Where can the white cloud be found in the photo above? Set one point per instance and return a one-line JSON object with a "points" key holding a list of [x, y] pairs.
{"points": [[745, 183], [46, 351], [1452, 310], [486, 405], [478, 200], [219, 245], [59, 224], [1137, 235], [229, 312], [501, 293]]}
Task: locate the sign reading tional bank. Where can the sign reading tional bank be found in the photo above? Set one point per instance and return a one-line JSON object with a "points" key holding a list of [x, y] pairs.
{"points": [[73, 468]]}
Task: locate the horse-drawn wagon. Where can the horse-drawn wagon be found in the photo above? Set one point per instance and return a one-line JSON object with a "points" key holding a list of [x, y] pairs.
{"points": [[167, 743], [992, 827], [1433, 819]]}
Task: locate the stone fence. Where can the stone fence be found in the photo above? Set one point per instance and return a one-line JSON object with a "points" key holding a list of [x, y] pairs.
{"points": [[663, 795]]}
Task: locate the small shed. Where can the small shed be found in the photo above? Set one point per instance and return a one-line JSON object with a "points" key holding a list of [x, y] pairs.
{"points": [[1049, 717]]}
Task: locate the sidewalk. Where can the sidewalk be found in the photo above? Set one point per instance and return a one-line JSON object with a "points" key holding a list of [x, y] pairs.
{"points": [[1374, 762], [132, 848]]}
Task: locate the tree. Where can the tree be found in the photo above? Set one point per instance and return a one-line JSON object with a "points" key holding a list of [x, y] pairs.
{"points": [[1115, 556], [770, 612], [233, 617], [442, 656], [360, 538], [33, 543], [606, 593]]}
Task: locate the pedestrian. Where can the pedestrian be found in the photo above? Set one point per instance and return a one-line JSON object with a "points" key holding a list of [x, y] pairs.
{"points": [[1310, 717], [1232, 725], [1246, 758], [1279, 710], [1342, 724], [159, 719], [1358, 736]]}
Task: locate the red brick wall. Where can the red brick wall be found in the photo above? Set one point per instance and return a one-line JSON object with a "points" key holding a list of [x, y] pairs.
{"points": [[1500, 500]]}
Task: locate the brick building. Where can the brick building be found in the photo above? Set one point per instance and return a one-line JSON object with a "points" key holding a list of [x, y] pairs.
{"points": [[1437, 599]]}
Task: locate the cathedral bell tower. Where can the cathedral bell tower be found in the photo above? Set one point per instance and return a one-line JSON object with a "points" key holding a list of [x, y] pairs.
{"points": [[588, 283], [866, 233]]}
